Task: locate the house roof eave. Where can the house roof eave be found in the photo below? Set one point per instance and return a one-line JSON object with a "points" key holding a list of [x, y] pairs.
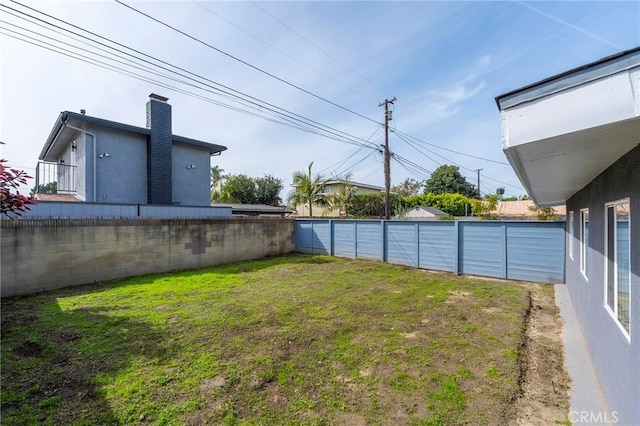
{"points": [[80, 119], [601, 68]]}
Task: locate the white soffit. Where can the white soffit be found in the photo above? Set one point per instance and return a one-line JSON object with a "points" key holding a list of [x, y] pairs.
{"points": [[560, 142], [555, 168]]}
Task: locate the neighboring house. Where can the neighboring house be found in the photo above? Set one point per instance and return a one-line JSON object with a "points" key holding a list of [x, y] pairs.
{"points": [[336, 187], [522, 210], [575, 138], [424, 213], [103, 161]]}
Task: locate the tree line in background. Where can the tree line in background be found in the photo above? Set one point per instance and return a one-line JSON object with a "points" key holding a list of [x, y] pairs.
{"points": [[446, 190]]}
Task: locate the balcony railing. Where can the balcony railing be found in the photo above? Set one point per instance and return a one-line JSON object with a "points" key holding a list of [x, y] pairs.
{"points": [[55, 178]]}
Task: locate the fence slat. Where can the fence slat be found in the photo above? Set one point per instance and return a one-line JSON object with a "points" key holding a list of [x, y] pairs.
{"points": [[528, 250]]}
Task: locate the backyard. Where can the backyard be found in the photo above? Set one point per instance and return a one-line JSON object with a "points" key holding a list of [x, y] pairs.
{"points": [[296, 339]]}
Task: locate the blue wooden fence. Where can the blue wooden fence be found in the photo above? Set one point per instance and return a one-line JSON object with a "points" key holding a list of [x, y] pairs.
{"points": [[531, 251]]}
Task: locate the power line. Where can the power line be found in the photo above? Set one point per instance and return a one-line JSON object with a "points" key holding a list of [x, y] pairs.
{"points": [[414, 166], [83, 58], [288, 83], [404, 138], [341, 162], [317, 47], [229, 92], [86, 59], [352, 168], [346, 86], [451, 150]]}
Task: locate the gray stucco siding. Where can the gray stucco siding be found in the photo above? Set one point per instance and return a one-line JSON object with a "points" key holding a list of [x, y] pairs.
{"points": [[122, 176], [191, 185], [616, 358]]}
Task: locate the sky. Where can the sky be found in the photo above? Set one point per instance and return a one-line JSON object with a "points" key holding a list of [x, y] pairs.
{"points": [[330, 62]]}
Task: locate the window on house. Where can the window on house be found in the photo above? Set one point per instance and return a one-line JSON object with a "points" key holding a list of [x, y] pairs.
{"points": [[617, 261], [584, 241], [571, 234]]}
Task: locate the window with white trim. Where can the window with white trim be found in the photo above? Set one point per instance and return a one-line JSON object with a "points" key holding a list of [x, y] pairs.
{"points": [[584, 241], [617, 261], [571, 234]]}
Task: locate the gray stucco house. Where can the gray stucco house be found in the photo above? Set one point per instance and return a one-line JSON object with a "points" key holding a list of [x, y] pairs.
{"points": [[103, 161], [574, 138]]}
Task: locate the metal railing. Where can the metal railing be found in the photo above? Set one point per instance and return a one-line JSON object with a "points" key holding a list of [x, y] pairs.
{"points": [[55, 178]]}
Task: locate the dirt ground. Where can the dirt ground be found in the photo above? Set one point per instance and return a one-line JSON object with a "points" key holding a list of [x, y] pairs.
{"points": [[545, 381]]}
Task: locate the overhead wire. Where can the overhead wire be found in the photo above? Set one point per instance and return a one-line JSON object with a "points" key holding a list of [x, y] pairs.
{"points": [[83, 58], [282, 80], [414, 168], [451, 150], [293, 120], [404, 138], [266, 43], [317, 47], [340, 162], [236, 95], [352, 168]]}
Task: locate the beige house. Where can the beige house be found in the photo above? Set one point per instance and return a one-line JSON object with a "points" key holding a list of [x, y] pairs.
{"points": [[521, 210], [336, 187]]}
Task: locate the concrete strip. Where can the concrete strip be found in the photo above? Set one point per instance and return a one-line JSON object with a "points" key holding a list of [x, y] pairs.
{"points": [[587, 402]]}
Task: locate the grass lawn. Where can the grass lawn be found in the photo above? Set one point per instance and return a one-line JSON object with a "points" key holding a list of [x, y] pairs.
{"points": [[290, 340]]}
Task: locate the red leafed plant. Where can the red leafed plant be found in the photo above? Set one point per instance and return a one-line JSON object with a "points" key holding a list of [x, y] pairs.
{"points": [[12, 204]]}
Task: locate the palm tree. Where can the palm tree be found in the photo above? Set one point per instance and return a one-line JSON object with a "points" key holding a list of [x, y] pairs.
{"points": [[216, 182], [339, 200], [308, 190]]}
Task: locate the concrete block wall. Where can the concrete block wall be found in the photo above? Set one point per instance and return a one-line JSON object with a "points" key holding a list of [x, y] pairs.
{"points": [[39, 255]]}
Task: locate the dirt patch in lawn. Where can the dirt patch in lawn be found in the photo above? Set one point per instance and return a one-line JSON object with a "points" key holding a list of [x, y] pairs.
{"points": [[544, 379]]}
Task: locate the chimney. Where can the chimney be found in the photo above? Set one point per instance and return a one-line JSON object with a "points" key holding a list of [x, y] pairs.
{"points": [[159, 150]]}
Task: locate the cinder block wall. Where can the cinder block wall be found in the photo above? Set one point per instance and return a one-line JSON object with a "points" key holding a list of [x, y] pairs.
{"points": [[38, 255]]}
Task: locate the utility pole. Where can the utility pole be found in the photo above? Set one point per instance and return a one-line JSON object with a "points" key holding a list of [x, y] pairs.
{"points": [[478, 170], [387, 157]]}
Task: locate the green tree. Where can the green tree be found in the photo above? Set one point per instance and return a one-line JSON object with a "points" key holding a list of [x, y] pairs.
{"points": [[45, 188], [408, 188], [447, 179], [543, 213], [308, 190], [452, 204], [267, 190], [340, 199], [372, 205], [239, 189], [485, 207]]}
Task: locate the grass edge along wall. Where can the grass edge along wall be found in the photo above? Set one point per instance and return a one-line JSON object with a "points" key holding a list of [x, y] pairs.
{"points": [[46, 254]]}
